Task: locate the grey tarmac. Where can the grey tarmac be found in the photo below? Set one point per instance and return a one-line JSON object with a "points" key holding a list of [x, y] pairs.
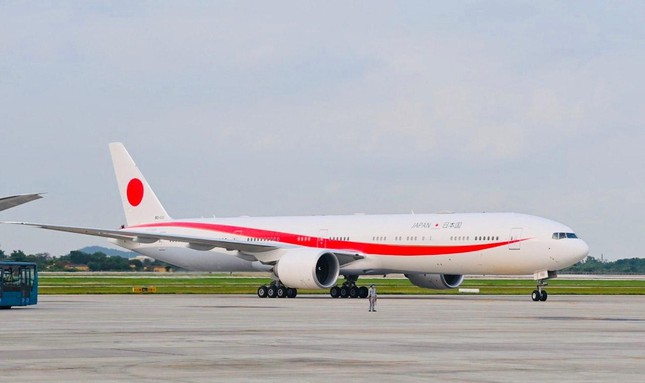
{"points": [[242, 338]]}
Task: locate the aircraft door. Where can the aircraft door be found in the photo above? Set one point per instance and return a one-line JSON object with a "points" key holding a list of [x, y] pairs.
{"points": [[516, 233], [25, 282], [322, 238]]}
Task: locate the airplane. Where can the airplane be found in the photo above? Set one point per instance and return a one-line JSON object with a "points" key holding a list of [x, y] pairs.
{"points": [[433, 251], [13, 201]]}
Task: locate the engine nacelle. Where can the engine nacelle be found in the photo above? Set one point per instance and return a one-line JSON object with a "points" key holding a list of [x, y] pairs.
{"points": [[436, 281], [308, 269]]}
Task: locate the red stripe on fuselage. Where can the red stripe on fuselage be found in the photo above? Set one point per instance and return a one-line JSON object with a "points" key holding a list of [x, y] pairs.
{"points": [[332, 244]]}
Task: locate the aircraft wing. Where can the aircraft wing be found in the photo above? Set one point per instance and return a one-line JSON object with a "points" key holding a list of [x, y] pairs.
{"points": [[9, 202], [249, 251], [196, 243]]}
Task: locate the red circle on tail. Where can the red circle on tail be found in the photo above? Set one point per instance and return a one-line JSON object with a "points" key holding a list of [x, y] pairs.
{"points": [[135, 191]]}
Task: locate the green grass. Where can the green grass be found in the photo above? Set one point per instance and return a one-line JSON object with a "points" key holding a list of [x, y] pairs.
{"points": [[219, 284]]}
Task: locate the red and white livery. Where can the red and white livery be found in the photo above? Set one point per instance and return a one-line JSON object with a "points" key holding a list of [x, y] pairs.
{"points": [[432, 250]]}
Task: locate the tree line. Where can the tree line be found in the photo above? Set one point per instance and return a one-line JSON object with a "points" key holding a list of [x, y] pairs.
{"points": [[99, 261], [78, 260], [592, 265]]}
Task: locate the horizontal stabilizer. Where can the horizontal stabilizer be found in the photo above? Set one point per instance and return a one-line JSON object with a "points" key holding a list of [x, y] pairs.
{"points": [[9, 202]]}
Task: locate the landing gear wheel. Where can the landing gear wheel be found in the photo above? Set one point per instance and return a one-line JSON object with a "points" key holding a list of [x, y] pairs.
{"points": [[276, 289], [540, 294], [349, 289]]}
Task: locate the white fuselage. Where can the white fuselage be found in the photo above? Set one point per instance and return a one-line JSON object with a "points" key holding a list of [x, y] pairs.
{"points": [[476, 243]]}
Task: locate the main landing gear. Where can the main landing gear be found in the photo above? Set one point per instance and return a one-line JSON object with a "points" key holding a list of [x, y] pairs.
{"points": [[539, 294], [349, 289], [276, 290]]}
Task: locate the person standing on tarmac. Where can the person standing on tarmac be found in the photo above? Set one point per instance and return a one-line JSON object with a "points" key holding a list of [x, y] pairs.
{"points": [[371, 296]]}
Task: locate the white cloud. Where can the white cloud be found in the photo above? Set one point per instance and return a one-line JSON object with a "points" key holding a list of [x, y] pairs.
{"points": [[299, 108]]}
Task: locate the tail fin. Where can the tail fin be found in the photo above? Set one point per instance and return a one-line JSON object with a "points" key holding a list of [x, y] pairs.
{"points": [[140, 203]]}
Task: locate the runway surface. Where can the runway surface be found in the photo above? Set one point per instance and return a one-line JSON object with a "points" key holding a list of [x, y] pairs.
{"points": [[224, 338]]}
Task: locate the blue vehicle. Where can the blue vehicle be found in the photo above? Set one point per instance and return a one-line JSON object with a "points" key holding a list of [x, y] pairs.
{"points": [[18, 284]]}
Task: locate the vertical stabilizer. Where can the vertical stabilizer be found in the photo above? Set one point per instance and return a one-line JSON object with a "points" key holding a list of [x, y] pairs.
{"points": [[140, 203]]}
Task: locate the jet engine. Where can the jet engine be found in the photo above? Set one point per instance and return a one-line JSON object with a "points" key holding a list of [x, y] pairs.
{"points": [[308, 269], [436, 281]]}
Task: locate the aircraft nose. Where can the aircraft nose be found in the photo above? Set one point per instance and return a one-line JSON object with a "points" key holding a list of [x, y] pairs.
{"points": [[581, 250]]}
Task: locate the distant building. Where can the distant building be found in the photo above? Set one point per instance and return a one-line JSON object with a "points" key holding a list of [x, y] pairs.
{"points": [[143, 259], [75, 267]]}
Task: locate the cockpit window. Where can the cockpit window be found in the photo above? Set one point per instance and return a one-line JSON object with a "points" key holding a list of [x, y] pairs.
{"points": [[564, 235]]}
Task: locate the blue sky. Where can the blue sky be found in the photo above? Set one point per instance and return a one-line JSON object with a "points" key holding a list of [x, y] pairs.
{"points": [[292, 108]]}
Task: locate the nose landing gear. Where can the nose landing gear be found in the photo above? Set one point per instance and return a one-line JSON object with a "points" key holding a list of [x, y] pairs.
{"points": [[540, 294]]}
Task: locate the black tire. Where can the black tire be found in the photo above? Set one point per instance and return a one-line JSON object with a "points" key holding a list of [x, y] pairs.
{"points": [[281, 292], [272, 292], [262, 291], [543, 296], [5, 307], [353, 292], [344, 292], [362, 292], [535, 295], [292, 293], [334, 292]]}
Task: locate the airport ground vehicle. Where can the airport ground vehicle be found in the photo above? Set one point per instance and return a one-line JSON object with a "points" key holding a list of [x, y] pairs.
{"points": [[18, 284]]}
